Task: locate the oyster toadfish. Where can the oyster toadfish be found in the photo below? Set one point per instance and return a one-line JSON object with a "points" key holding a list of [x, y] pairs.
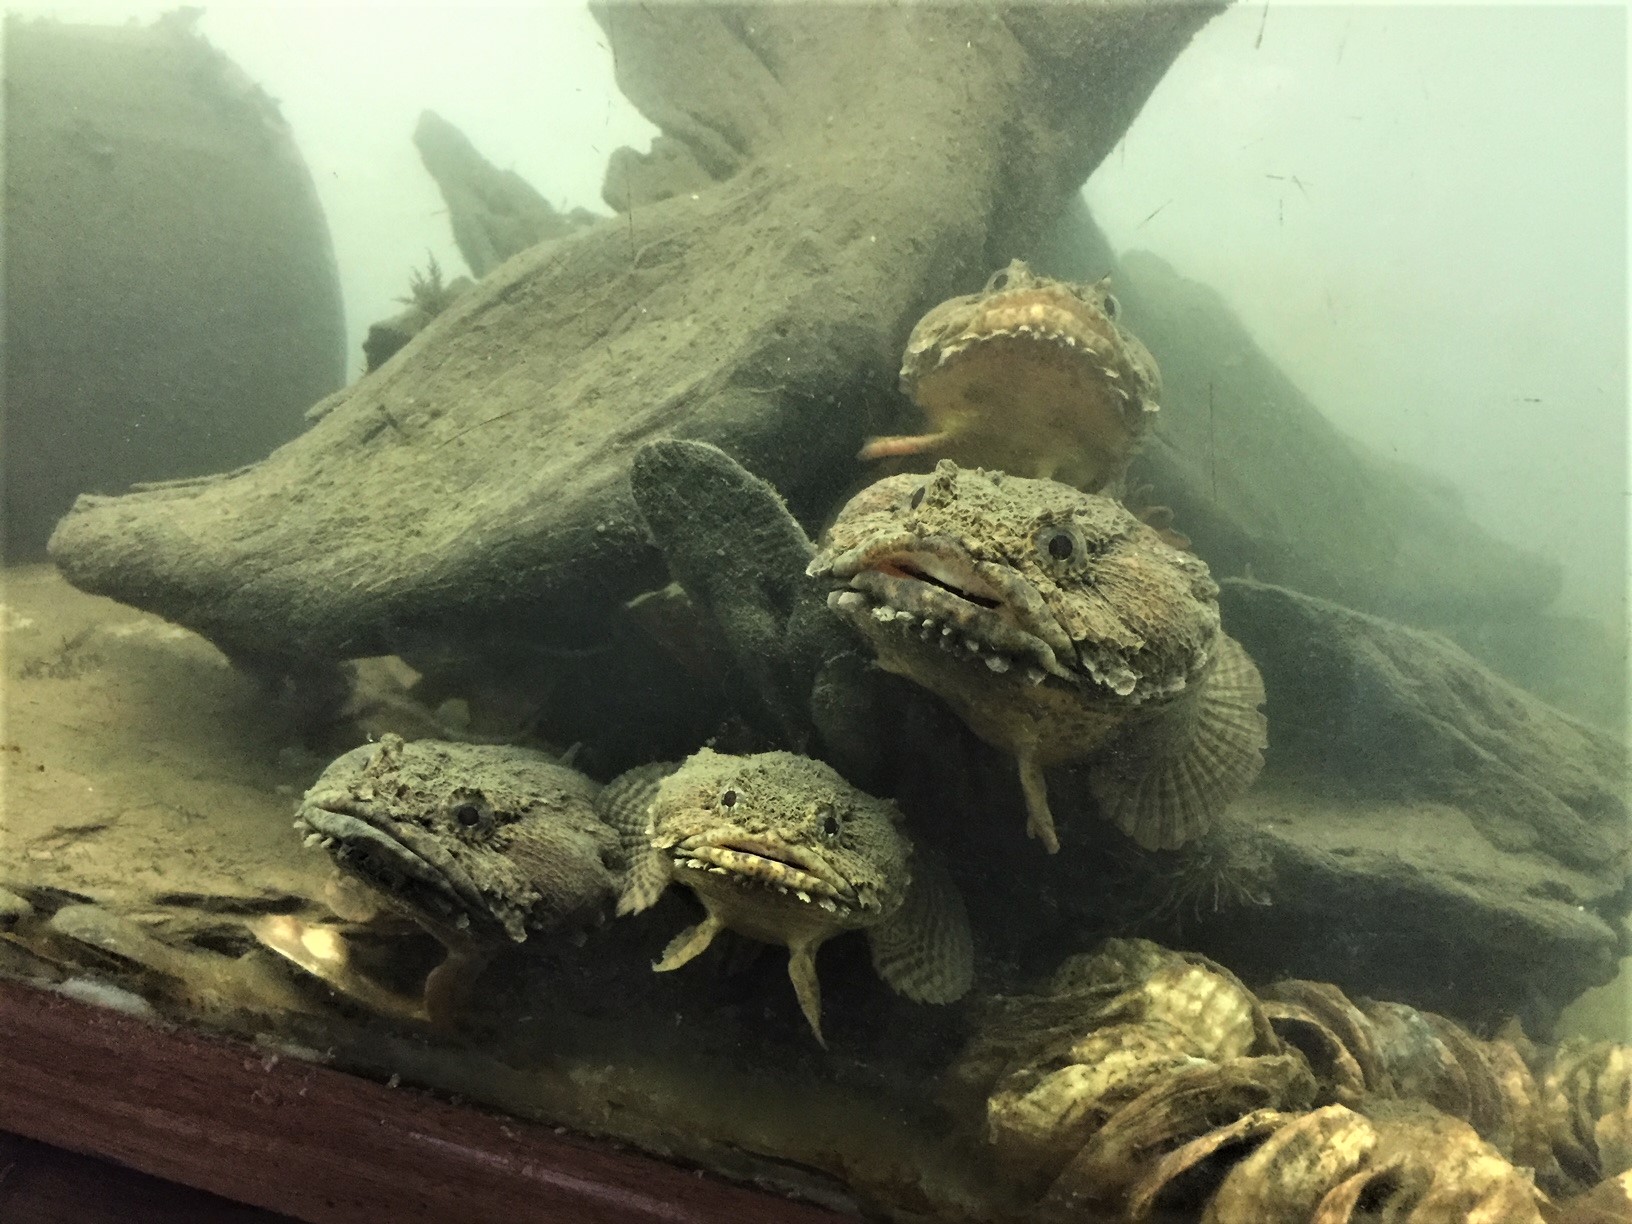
{"points": [[479, 845], [1031, 375], [780, 848], [1059, 627]]}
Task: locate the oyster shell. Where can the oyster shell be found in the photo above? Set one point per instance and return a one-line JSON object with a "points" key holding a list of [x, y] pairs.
{"points": [[1420, 1065], [1341, 1078], [1609, 1202], [1153, 1084], [1428, 1168], [1182, 1107], [1133, 1052], [1333, 1009], [1586, 1101], [1286, 1177], [1039, 1119], [1206, 1010], [1171, 1184]]}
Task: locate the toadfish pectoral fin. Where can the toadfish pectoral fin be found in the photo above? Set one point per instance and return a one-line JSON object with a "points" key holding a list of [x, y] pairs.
{"points": [[1167, 780], [802, 969], [450, 986], [900, 444], [625, 804], [644, 881], [689, 944], [1039, 820], [924, 950]]}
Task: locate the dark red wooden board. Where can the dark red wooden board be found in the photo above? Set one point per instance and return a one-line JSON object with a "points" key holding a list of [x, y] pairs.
{"points": [[319, 1144]]}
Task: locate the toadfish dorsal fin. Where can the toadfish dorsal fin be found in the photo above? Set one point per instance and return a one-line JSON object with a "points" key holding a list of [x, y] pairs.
{"points": [[924, 950], [1164, 782]]}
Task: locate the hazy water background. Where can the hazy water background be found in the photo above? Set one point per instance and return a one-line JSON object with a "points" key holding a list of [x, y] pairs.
{"points": [[1420, 211]]}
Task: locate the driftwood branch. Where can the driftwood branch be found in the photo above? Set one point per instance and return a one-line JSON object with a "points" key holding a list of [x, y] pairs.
{"points": [[864, 161], [494, 213]]}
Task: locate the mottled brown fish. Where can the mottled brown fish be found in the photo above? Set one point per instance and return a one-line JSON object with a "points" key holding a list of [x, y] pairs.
{"points": [[480, 845], [1059, 627], [780, 848], [1033, 376]]}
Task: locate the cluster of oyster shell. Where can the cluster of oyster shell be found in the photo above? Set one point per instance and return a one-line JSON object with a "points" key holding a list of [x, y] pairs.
{"points": [[1151, 1084]]}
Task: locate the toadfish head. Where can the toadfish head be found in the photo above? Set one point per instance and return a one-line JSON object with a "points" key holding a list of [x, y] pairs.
{"points": [[1031, 580], [462, 837], [784, 829]]}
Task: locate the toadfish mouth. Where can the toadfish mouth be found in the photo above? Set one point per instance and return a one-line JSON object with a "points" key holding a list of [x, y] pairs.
{"points": [[398, 859], [931, 589], [1081, 338], [771, 864]]}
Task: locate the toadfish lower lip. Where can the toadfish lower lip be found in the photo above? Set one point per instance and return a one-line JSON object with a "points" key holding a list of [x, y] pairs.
{"points": [[931, 584], [361, 842], [780, 869], [956, 625], [410, 851]]}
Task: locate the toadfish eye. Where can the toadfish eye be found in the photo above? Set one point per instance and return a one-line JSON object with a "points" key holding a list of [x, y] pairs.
{"points": [[831, 823], [1062, 542], [728, 799], [468, 815], [999, 280], [1112, 307], [917, 498]]}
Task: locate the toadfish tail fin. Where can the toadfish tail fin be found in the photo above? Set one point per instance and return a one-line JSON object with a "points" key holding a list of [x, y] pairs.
{"points": [[625, 803], [1165, 781], [924, 949]]}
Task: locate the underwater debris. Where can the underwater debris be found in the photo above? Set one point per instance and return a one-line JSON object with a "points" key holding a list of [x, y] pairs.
{"points": [[780, 848], [428, 297], [71, 658], [1385, 709], [1059, 627], [493, 213], [1207, 879], [426, 290], [103, 949], [583, 346]]}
